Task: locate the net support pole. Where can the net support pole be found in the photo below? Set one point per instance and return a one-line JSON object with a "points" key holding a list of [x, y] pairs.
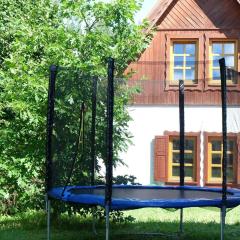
{"points": [[224, 141], [182, 140], [50, 116], [109, 160]]}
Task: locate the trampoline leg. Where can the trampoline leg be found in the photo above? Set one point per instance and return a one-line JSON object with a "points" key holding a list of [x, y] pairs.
{"points": [[223, 218], [181, 221], [48, 219], [107, 222], [94, 221]]}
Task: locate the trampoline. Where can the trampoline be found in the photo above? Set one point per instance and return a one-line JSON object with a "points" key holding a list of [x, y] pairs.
{"points": [[133, 197], [74, 101]]}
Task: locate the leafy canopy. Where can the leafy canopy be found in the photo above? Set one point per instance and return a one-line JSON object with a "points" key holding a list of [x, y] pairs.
{"points": [[34, 35]]}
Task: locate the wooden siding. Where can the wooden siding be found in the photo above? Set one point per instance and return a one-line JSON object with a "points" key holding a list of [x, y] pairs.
{"points": [[199, 20], [201, 14]]}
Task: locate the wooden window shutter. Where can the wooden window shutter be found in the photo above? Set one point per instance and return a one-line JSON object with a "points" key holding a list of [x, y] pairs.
{"points": [[160, 158], [238, 159]]}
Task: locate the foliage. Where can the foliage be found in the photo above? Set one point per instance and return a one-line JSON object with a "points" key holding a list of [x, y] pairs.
{"points": [[33, 35]]}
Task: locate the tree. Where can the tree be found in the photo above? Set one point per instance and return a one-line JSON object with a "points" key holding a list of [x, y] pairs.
{"points": [[34, 35]]}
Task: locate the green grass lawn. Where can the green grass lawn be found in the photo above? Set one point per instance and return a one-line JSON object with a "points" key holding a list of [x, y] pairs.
{"points": [[198, 224]]}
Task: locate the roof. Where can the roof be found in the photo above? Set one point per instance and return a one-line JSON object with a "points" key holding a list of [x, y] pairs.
{"points": [[158, 10]]}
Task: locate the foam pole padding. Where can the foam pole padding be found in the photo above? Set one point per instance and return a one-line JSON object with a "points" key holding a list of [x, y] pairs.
{"points": [[224, 127], [182, 130], [50, 117], [110, 107]]}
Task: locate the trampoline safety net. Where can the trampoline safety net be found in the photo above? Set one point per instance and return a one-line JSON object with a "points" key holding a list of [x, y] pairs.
{"points": [[76, 98]]}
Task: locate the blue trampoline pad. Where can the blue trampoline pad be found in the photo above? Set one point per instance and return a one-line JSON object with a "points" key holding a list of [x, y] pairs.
{"points": [[132, 197]]}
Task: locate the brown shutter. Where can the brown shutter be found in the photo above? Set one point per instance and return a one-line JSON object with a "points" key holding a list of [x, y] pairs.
{"points": [[238, 159], [160, 158]]}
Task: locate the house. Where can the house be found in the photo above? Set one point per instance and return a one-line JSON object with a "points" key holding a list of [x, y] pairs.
{"points": [[191, 35]]}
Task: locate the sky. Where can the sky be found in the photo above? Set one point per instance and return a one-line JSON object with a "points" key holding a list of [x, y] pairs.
{"points": [[147, 5]]}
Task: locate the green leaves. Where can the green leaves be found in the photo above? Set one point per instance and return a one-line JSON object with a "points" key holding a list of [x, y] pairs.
{"points": [[34, 35]]}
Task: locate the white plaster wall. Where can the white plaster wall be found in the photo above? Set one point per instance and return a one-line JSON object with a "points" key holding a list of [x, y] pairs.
{"points": [[149, 121]]}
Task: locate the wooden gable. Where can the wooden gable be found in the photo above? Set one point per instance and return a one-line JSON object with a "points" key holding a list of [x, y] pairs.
{"points": [[200, 14]]}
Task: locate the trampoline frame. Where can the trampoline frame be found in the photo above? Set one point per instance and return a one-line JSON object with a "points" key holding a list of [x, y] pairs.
{"points": [[109, 141]]}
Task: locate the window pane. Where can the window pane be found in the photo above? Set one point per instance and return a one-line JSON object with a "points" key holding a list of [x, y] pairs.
{"points": [[176, 144], [216, 74], [230, 174], [188, 171], [178, 61], [175, 171], [229, 48], [190, 74], [188, 158], [230, 145], [189, 144], [230, 61], [216, 145], [217, 48], [190, 61], [229, 159], [178, 75], [190, 48], [216, 61], [216, 158], [176, 158], [232, 75], [216, 172], [178, 48]]}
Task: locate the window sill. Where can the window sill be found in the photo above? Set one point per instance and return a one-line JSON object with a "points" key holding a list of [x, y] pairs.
{"points": [[217, 87]]}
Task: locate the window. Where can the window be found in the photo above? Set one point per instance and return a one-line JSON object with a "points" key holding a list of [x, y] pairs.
{"points": [[225, 50], [189, 155], [215, 152], [183, 62]]}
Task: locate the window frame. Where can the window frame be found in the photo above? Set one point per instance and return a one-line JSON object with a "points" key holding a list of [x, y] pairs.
{"points": [[176, 180], [171, 151], [184, 68], [211, 68], [208, 179]]}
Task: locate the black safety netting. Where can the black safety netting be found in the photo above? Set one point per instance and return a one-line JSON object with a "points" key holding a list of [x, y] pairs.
{"points": [[79, 127], [72, 133]]}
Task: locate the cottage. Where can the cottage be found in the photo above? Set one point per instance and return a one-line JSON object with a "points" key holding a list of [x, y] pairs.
{"points": [[191, 35]]}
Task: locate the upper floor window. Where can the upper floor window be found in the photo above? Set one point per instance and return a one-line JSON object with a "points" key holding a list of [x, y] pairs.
{"points": [[227, 50], [183, 61]]}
